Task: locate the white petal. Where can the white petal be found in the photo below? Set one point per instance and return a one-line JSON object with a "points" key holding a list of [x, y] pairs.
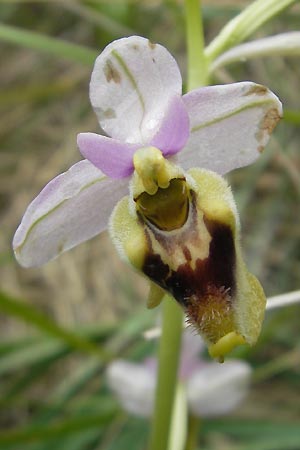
{"points": [[131, 88], [230, 125], [217, 389], [134, 385], [73, 207]]}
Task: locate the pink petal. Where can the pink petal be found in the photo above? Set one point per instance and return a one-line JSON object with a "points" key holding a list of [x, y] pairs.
{"points": [[113, 157], [72, 208], [174, 129]]}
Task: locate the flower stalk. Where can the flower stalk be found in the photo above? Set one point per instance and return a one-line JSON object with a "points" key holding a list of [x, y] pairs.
{"points": [[197, 74], [168, 359], [193, 428]]}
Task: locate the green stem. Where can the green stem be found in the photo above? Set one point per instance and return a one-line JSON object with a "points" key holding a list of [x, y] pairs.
{"points": [[192, 435], [168, 358], [197, 64]]}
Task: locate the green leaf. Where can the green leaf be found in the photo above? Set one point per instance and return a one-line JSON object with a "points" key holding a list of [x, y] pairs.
{"points": [[245, 24]]}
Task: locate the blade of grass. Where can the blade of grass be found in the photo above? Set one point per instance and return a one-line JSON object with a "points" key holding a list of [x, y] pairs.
{"points": [[47, 44], [35, 353], [29, 314], [14, 388], [254, 428], [98, 18], [59, 429]]}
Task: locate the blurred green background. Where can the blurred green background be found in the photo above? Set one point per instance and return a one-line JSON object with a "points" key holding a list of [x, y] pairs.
{"points": [[61, 324]]}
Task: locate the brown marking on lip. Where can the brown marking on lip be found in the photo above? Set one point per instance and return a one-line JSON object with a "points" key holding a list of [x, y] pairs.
{"points": [[187, 253], [205, 292], [111, 73], [217, 271], [257, 89], [155, 269]]}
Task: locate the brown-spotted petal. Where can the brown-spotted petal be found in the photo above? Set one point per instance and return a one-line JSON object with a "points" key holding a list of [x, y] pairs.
{"points": [[230, 125], [132, 86]]}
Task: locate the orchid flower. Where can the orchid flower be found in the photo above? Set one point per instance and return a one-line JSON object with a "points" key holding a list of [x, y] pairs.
{"points": [[179, 225], [211, 389]]}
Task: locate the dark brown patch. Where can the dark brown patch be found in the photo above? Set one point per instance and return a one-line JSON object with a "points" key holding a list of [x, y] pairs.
{"points": [[215, 272], [135, 47], [111, 73], [152, 45], [155, 269], [206, 291], [257, 89]]}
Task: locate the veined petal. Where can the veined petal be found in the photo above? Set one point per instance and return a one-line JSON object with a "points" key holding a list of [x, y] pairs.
{"points": [[73, 207], [217, 389], [174, 130], [113, 157], [131, 87], [134, 385], [230, 125]]}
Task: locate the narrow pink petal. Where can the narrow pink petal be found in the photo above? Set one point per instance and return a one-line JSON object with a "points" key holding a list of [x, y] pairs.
{"points": [[113, 157], [73, 207], [230, 125], [174, 130], [132, 83]]}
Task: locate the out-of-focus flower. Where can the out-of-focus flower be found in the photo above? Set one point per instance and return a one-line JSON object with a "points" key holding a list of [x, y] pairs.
{"points": [[212, 389], [179, 228]]}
